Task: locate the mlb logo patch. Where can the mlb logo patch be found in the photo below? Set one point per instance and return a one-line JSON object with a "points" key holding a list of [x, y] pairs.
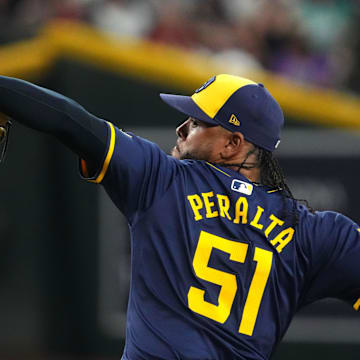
{"points": [[242, 187]]}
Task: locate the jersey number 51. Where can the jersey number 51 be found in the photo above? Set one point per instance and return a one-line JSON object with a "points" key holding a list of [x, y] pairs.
{"points": [[237, 250]]}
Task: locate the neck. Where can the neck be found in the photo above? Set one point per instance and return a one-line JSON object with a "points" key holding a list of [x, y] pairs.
{"points": [[246, 163], [250, 171], [253, 174]]}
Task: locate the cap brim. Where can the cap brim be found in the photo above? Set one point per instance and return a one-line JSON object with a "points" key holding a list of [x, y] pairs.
{"points": [[187, 106]]}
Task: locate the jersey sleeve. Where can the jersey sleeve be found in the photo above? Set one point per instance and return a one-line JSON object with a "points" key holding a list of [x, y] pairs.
{"points": [[335, 260], [52, 113], [135, 172]]}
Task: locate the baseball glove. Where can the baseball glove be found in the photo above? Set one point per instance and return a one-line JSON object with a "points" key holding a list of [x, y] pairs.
{"points": [[5, 125], [2, 133]]}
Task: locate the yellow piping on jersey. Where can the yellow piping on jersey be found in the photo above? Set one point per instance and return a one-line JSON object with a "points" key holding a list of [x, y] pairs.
{"points": [[357, 305], [108, 156], [272, 191], [218, 169]]}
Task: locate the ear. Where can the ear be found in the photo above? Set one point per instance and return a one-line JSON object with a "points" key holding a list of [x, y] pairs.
{"points": [[234, 145]]}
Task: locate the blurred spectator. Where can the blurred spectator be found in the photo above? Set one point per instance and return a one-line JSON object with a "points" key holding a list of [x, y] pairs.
{"points": [[275, 28], [298, 62], [69, 9], [328, 27], [21, 18], [285, 49], [313, 41], [124, 17], [324, 22], [226, 48], [246, 10], [212, 11], [173, 25]]}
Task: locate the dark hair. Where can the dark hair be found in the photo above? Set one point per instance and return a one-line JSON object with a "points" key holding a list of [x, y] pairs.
{"points": [[271, 175]]}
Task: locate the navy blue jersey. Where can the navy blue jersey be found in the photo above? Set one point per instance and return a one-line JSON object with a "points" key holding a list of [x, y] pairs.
{"points": [[218, 269]]}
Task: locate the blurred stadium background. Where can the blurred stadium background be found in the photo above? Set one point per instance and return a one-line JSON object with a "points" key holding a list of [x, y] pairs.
{"points": [[64, 249]]}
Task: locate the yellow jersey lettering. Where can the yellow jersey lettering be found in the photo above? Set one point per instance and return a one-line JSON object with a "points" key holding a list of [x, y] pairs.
{"points": [[255, 221], [209, 204], [274, 221], [220, 310], [241, 210], [264, 260], [205, 206], [283, 239], [224, 205], [227, 281], [196, 204]]}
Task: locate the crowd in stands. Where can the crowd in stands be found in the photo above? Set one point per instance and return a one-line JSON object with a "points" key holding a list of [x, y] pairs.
{"points": [[312, 41]]}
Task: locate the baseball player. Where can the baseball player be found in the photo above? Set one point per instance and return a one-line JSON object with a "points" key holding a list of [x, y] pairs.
{"points": [[223, 256]]}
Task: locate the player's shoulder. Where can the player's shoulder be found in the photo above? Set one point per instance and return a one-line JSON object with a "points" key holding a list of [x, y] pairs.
{"points": [[325, 228], [131, 145], [329, 220], [198, 167]]}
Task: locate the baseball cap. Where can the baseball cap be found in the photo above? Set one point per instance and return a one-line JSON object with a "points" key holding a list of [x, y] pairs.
{"points": [[237, 104]]}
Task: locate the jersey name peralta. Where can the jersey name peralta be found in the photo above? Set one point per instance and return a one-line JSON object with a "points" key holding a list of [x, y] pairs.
{"points": [[218, 269]]}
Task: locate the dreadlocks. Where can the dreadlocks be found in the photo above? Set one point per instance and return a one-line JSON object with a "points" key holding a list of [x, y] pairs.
{"points": [[271, 175]]}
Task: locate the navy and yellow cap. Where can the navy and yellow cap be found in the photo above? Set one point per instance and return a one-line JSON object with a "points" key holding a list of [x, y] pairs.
{"points": [[237, 104]]}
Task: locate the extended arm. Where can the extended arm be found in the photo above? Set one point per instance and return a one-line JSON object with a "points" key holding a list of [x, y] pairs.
{"points": [[50, 112], [137, 171]]}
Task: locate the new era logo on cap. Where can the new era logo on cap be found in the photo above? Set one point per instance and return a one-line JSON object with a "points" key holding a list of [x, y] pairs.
{"points": [[233, 120]]}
